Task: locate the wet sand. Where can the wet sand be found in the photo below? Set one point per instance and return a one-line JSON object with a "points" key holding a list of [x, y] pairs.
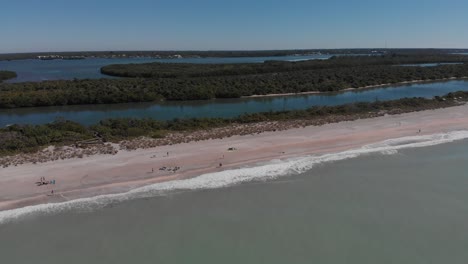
{"points": [[104, 174]]}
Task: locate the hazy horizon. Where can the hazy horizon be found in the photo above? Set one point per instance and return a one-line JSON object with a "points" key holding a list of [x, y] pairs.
{"points": [[143, 25], [233, 50], [240, 50]]}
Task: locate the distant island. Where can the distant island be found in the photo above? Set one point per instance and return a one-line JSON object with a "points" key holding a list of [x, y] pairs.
{"points": [[159, 81], [187, 70]]}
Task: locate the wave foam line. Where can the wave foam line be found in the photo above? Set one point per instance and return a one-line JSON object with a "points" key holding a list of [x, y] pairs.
{"points": [[226, 178]]}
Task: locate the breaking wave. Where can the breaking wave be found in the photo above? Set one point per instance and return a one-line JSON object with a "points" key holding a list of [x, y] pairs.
{"points": [[268, 171]]}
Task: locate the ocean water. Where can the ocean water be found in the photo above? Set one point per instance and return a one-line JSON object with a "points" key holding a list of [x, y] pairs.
{"points": [[226, 108], [398, 201]]}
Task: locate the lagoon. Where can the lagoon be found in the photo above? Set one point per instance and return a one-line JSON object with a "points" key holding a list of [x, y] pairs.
{"points": [[91, 114], [42, 70]]}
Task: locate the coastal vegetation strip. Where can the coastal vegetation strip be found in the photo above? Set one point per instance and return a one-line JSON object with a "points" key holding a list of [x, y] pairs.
{"points": [[110, 91], [79, 140], [5, 75], [187, 70]]}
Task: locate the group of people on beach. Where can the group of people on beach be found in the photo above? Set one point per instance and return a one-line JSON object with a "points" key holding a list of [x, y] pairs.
{"points": [[42, 181], [176, 168]]}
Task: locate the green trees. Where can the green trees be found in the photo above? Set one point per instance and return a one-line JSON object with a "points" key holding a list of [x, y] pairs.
{"points": [[110, 91], [24, 138], [201, 82], [185, 70], [5, 75]]}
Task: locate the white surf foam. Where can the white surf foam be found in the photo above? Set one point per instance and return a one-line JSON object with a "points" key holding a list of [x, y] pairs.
{"points": [[226, 178]]}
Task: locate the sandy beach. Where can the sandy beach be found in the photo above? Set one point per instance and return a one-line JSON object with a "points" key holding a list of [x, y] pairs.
{"points": [[105, 174]]}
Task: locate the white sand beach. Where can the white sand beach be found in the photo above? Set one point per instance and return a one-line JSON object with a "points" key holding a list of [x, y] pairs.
{"points": [[107, 174]]}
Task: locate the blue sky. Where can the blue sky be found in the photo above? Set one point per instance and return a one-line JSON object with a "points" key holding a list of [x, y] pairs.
{"points": [[65, 25]]}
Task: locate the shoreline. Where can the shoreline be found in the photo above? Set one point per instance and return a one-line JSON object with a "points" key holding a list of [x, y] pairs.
{"points": [[111, 174], [358, 88]]}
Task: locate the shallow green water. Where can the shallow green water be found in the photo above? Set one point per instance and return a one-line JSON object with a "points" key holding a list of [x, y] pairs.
{"points": [[411, 207]]}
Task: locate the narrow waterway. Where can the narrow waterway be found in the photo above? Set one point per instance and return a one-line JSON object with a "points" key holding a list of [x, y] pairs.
{"points": [[91, 114]]}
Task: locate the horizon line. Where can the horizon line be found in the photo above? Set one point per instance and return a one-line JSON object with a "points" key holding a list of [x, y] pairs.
{"points": [[228, 50]]}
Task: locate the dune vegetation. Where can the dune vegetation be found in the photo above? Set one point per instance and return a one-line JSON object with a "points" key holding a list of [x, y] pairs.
{"points": [[29, 138]]}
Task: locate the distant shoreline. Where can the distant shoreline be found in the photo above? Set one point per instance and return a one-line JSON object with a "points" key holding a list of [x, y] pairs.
{"points": [[225, 53], [173, 54]]}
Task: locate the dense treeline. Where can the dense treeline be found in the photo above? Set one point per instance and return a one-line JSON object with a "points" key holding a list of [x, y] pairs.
{"points": [[106, 91], [5, 75], [61, 92], [187, 70], [23, 138]]}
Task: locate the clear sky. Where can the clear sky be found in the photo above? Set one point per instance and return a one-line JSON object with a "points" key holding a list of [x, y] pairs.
{"points": [[74, 25]]}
